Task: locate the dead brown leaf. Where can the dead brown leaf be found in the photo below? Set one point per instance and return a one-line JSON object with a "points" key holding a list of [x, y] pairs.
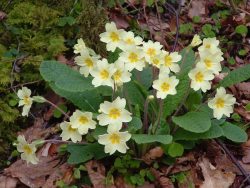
{"points": [[162, 180], [46, 172], [198, 8], [153, 154], [119, 182], [242, 111], [244, 89], [215, 178], [8, 182], [96, 172]]}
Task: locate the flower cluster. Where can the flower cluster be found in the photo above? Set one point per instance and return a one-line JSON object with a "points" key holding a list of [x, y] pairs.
{"points": [[210, 56], [136, 55]]}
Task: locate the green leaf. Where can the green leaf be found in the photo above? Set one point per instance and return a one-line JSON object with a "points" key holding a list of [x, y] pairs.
{"points": [[242, 30], [135, 93], [196, 19], [172, 102], [145, 138], [113, 56], [197, 122], [134, 125], [234, 133], [87, 101], [175, 149], [242, 52], [144, 77], [207, 29], [236, 76], [64, 77], [215, 131], [247, 107], [82, 153], [194, 99]]}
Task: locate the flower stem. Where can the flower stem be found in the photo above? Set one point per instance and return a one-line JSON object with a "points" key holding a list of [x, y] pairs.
{"points": [[158, 120], [57, 107]]}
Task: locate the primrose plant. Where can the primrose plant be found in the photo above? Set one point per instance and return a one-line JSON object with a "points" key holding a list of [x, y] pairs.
{"points": [[139, 96]]}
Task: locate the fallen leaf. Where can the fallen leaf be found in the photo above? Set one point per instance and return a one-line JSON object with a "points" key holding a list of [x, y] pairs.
{"points": [[44, 174], [198, 8], [162, 180], [215, 178], [96, 172], [119, 182], [242, 111], [8, 182], [153, 154], [244, 89]]}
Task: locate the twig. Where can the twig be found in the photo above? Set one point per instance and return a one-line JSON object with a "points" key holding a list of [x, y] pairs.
{"points": [[63, 142], [176, 12], [58, 108], [234, 160], [27, 83], [13, 67]]}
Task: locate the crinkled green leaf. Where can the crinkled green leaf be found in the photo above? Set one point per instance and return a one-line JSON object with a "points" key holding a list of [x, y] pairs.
{"points": [[82, 153], [215, 131], [234, 133], [236, 76], [64, 77], [145, 138], [87, 100], [197, 122]]}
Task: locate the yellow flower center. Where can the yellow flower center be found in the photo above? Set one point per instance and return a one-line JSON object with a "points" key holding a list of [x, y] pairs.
{"points": [[83, 120], [208, 46], [220, 103], [115, 138], [168, 60], [129, 41], [165, 86], [27, 149], [117, 75], [114, 37], [208, 63], [89, 63], [26, 100], [114, 113], [133, 57], [156, 62], [70, 129], [199, 77], [151, 52], [104, 74]]}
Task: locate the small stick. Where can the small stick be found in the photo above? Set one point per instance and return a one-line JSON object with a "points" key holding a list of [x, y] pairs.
{"points": [[234, 160]]}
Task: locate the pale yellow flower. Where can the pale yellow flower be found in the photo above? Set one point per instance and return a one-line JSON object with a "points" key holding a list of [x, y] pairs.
{"points": [[121, 75], [86, 63], [79, 46], [114, 141], [222, 103], [68, 132], [200, 78], [212, 61], [25, 100], [82, 121], [210, 45], [165, 85], [28, 150], [133, 58], [170, 61], [114, 113], [112, 36], [157, 61], [129, 39], [196, 41], [102, 73], [151, 49]]}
